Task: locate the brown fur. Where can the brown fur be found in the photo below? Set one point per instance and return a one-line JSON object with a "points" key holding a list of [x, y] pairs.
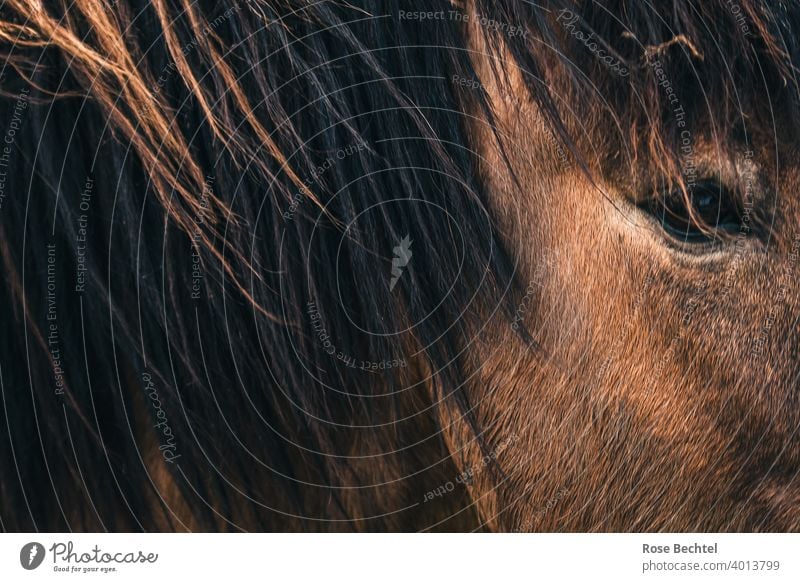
{"points": [[636, 387]]}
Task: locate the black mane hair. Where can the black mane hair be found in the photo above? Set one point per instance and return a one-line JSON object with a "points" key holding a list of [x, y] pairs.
{"points": [[201, 206]]}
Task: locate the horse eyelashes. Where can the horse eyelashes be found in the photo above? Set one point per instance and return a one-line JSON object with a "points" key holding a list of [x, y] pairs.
{"points": [[708, 213]]}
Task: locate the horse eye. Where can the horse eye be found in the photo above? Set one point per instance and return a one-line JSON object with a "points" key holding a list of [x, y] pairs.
{"points": [[708, 215]]}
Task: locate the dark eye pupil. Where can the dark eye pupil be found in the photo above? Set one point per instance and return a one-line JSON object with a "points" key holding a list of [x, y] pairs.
{"points": [[704, 201], [713, 213]]}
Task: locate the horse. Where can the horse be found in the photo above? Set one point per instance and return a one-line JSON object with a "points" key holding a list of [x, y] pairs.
{"points": [[273, 265]]}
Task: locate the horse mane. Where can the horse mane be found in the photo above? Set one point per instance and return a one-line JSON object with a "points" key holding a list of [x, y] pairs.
{"points": [[200, 210]]}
